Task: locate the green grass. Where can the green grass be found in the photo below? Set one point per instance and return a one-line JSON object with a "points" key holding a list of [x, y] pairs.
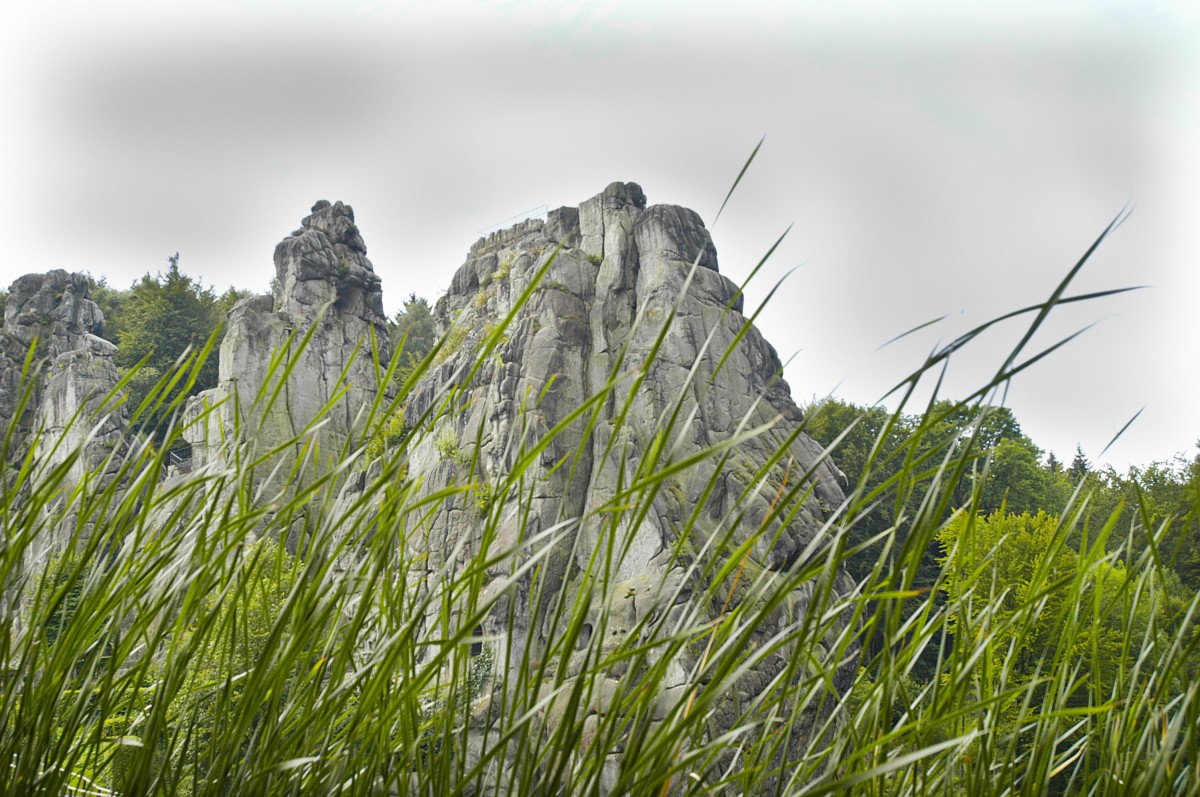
{"points": [[229, 633]]}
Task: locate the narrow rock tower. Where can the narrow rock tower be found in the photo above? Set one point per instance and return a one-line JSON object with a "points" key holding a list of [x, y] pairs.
{"points": [[326, 285], [67, 410]]}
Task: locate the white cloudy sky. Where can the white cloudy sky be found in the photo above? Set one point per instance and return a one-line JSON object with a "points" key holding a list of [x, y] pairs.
{"points": [[933, 161]]}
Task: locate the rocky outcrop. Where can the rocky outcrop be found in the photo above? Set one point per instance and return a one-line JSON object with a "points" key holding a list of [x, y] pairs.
{"points": [[326, 286], [599, 405], [632, 305], [67, 412], [56, 309]]}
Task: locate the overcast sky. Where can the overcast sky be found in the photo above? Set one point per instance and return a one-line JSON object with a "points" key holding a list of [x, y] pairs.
{"points": [[932, 161]]}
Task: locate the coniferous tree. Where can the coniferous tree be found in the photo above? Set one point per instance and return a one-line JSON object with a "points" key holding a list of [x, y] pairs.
{"points": [[1080, 467], [160, 320], [413, 333]]}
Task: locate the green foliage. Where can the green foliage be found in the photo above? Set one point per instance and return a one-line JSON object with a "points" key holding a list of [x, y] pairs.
{"points": [[218, 689], [484, 495], [553, 285], [449, 345], [230, 297], [1007, 563], [1015, 478], [413, 332], [1029, 604], [62, 582], [869, 452], [160, 320], [448, 447], [503, 270], [389, 437], [231, 632], [873, 446], [1159, 497], [111, 302], [1080, 466]]}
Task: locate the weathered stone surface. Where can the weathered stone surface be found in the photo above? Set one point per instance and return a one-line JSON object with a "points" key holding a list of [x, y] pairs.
{"points": [[55, 310], [621, 273], [66, 413], [72, 413], [324, 264], [621, 270], [325, 281]]}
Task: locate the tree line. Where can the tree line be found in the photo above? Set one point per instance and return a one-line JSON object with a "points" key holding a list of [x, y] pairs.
{"points": [[1049, 575], [162, 316], [1013, 474], [1021, 528]]}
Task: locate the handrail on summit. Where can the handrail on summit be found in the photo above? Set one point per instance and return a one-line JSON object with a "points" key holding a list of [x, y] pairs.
{"points": [[533, 213]]}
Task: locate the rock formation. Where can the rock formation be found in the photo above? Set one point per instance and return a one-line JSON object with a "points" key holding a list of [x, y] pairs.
{"points": [[326, 285], [66, 411], [619, 271], [66, 406], [615, 307]]}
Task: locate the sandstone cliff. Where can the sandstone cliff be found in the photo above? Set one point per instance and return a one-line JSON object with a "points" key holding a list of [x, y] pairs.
{"points": [[66, 412], [600, 442], [620, 310], [66, 408], [326, 287]]}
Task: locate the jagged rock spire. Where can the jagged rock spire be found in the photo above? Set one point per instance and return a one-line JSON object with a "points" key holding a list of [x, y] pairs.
{"points": [[620, 274], [324, 277], [324, 264], [67, 412]]}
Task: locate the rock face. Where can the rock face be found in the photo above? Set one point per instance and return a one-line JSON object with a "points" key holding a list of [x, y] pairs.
{"points": [[620, 270], [67, 408], [625, 351], [327, 285]]}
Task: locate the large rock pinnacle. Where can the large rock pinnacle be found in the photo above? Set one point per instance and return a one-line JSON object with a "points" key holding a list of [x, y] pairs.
{"points": [[324, 264], [623, 270], [623, 446], [56, 308], [324, 279], [67, 412]]}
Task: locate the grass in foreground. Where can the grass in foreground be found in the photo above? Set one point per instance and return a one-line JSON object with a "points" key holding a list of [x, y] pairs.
{"points": [[174, 646]]}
